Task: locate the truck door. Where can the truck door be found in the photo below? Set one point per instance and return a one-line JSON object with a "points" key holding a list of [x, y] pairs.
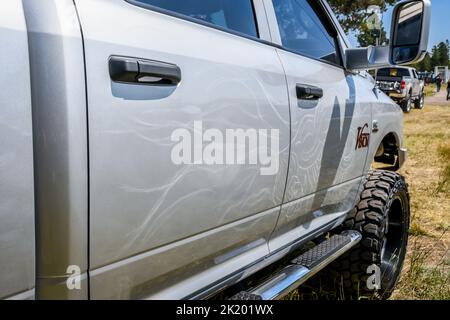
{"points": [[17, 238], [331, 123], [160, 75]]}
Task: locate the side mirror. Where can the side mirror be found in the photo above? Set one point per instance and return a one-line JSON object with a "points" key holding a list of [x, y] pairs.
{"points": [[408, 42], [410, 31]]}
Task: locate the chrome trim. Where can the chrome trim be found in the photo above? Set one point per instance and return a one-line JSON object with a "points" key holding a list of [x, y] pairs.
{"points": [[26, 295], [402, 156]]}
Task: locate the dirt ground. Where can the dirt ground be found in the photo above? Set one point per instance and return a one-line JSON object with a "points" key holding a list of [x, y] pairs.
{"points": [[436, 99]]}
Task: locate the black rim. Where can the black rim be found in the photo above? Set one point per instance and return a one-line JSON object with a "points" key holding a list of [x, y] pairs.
{"points": [[394, 242]]}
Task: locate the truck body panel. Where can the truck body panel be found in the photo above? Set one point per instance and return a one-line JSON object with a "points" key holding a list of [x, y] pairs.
{"points": [[17, 255], [88, 180], [140, 199], [60, 146]]}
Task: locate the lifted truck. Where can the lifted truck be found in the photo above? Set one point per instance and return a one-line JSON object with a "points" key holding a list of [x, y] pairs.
{"points": [[402, 85], [104, 195]]}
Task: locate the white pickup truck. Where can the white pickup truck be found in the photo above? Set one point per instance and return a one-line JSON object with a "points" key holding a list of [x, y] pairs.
{"points": [[167, 149], [403, 85]]}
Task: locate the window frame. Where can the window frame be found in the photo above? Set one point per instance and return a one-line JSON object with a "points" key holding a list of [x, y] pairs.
{"points": [[327, 21], [258, 23], [266, 25]]}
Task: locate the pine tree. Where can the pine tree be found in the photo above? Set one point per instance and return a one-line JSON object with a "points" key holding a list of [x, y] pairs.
{"points": [[440, 55], [444, 49], [435, 57], [425, 64]]}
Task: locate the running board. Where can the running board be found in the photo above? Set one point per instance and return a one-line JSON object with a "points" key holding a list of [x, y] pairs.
{"points": [[302, 268]]}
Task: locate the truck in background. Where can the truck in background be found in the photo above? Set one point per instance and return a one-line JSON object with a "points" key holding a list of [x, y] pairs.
{"points": [[403, 85]]}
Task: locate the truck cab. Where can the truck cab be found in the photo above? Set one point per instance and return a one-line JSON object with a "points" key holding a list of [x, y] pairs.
{"points": [[158, 149]]}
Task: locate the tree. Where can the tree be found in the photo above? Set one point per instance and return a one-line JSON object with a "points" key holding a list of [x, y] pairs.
{"points": [[367, 37], [352, 14], [443, 48], [425, 64], [435, 56], [440, 54]]}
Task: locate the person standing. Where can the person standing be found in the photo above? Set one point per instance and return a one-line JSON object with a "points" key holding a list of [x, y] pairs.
{"points": [[438, 82], [448, 89]]}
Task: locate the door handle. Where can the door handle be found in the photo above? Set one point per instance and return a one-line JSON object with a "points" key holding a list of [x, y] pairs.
{"points": [[141, 71], [307, 92]]}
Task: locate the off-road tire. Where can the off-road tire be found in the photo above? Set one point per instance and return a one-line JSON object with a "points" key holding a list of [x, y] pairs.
{"points": [[420, 101], [406, 104], [384, 202]]}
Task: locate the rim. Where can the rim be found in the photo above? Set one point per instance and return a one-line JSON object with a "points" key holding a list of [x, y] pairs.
{"points": [[394, 242], [408, 105], [422, 100]]}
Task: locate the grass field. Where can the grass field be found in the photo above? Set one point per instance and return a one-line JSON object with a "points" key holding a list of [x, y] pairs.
{"points": [[430, 89], [426, 271]]}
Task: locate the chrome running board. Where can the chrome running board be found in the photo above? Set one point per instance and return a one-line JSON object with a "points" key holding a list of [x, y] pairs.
{"points": [[302, 268]]}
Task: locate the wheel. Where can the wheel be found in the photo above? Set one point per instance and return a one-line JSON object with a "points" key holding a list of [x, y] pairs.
{"points": [[406, 104], [382, 217], [420, 102]]}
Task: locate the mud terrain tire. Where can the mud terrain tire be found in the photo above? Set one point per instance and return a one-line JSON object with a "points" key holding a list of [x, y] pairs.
{"points": [[382, 217]]}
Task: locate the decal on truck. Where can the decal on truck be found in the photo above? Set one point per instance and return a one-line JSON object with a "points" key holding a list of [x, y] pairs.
{"points": [[362, 139]]}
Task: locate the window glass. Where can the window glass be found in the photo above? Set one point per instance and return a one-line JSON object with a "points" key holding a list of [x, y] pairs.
{"points": [[302, 30], [393, 72], [236, 15]]}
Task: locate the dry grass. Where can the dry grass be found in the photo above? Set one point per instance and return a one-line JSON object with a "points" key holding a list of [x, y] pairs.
{"points": [[430, 89], [426, 273]]}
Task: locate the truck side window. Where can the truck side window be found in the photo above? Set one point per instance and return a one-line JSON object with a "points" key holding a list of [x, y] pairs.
{"points": [[302, 30], [229, 14]]}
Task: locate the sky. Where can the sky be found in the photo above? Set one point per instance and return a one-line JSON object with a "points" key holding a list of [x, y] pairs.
{"points": [[440, 23]]}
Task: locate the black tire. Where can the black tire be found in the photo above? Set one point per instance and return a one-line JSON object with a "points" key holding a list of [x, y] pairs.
{"points": [[406, 104], [420, 102], [382, 217]]}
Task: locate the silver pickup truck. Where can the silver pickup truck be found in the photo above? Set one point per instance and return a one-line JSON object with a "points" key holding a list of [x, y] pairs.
{"points": [[403, 85], [162, 149]]}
